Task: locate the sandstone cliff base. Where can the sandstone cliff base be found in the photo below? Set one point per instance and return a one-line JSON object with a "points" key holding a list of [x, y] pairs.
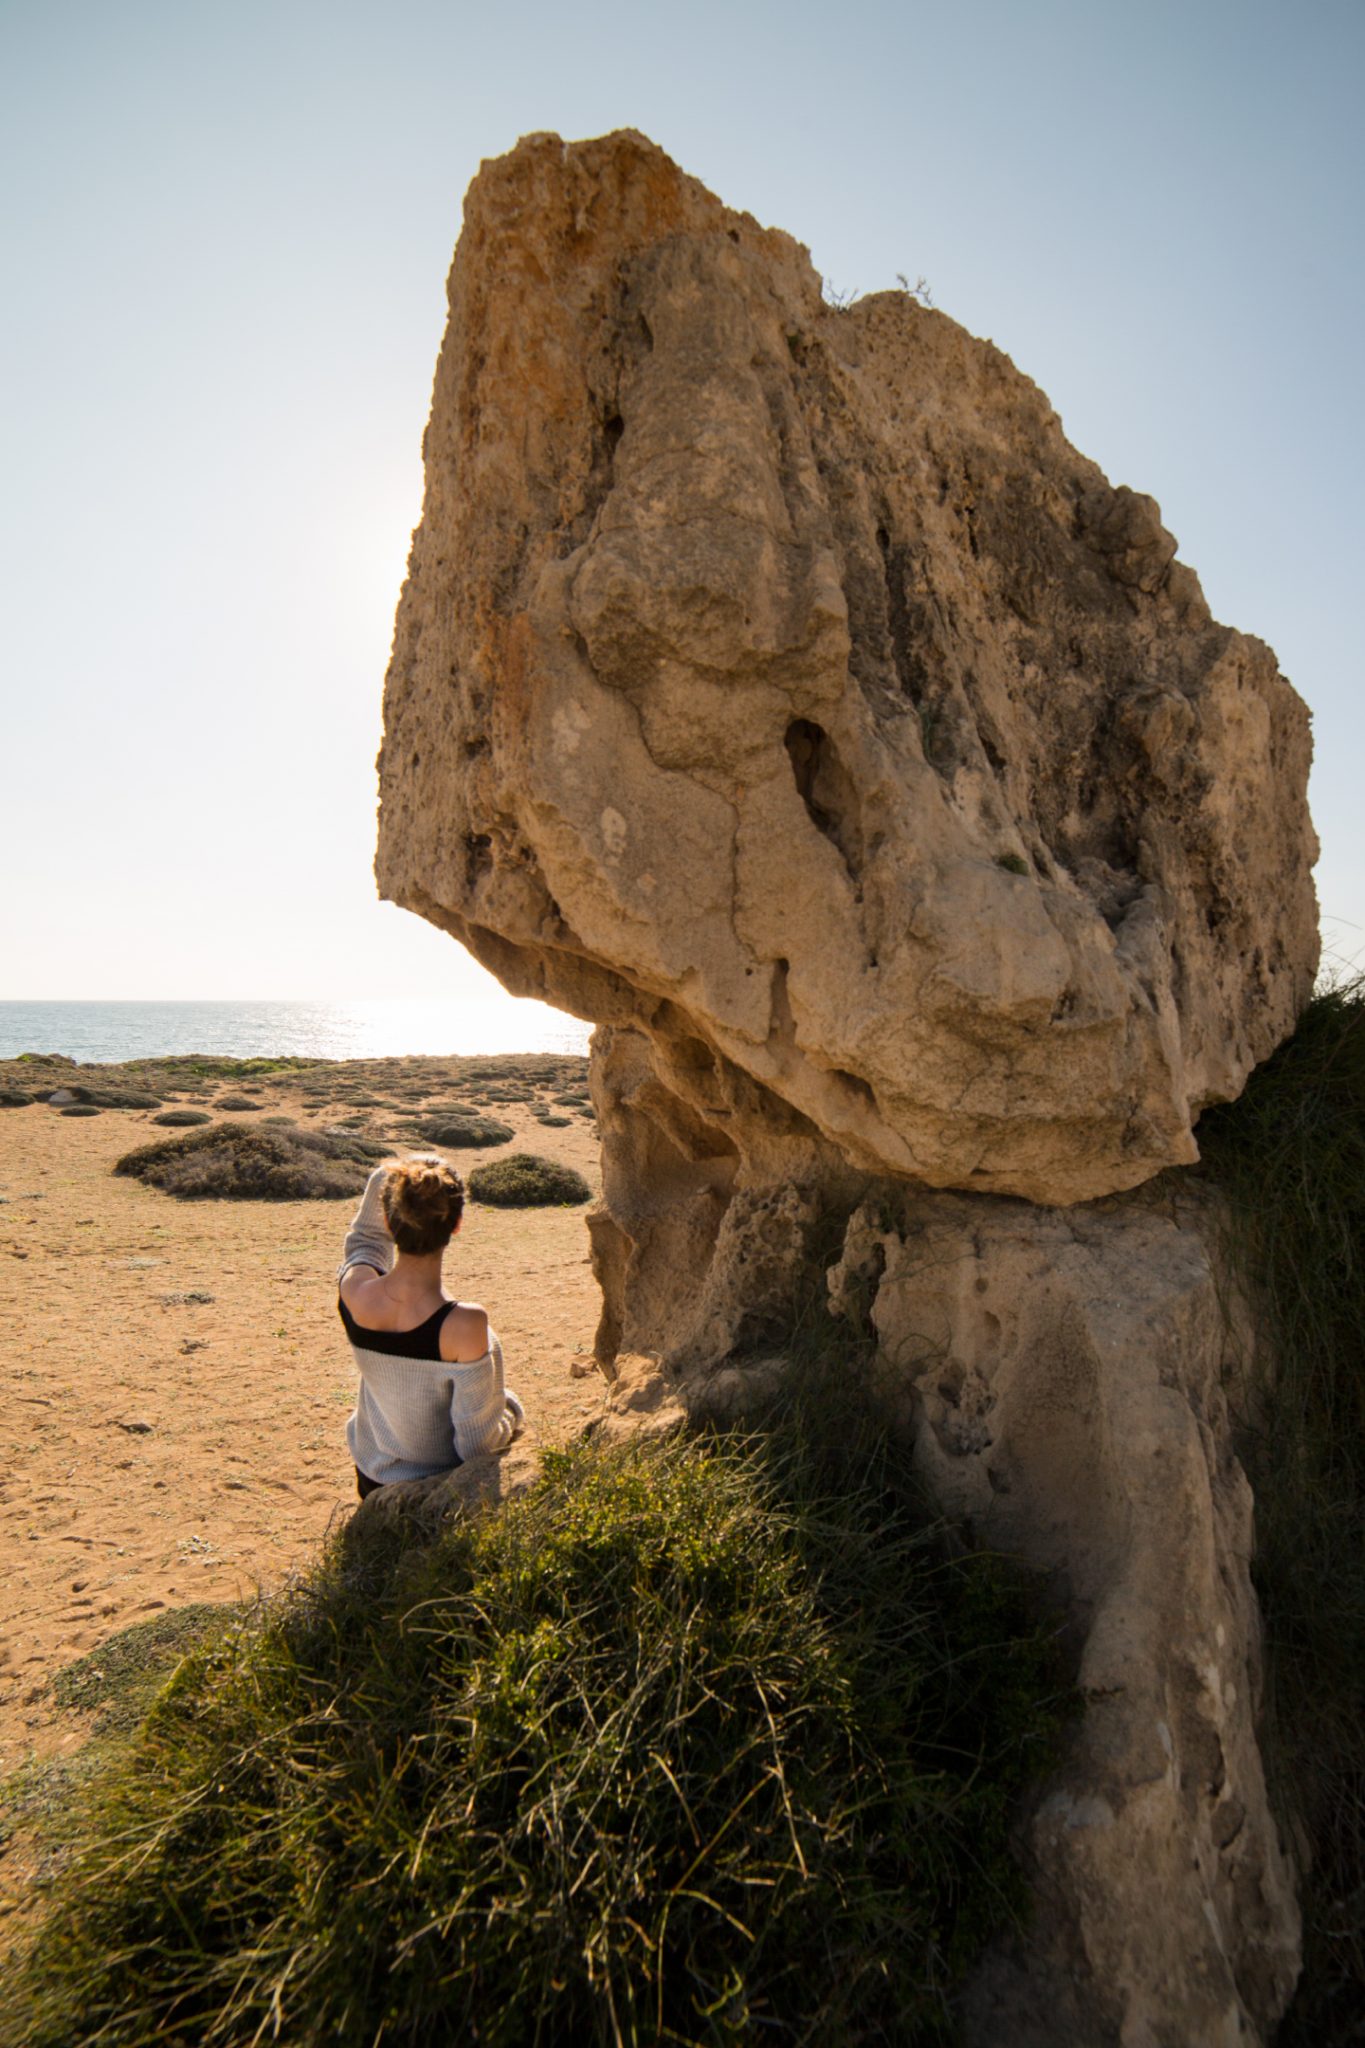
{"points": [[776, 686]]}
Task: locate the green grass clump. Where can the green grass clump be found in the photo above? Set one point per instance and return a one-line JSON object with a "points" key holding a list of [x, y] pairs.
{"points": [[119, 1681], [16, 1098], [79, 1109], [232, 1104], [1290, 1157], [526, 1181], [695, 1743], [183, 1119], [249, 1163]]}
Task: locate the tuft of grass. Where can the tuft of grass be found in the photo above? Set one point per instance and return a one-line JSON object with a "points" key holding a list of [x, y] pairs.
{"points": [[16, 1098], [249, 1163], [525, 1181], [79, 1109], [698, 1742], [233, 1104], [119, 1680], [183, 1119], [1290, 1158]]}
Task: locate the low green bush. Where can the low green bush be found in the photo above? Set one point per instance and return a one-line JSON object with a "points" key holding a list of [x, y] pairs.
{"points": [[112, 1098], [183, 1117], [250, 1163], [457, 1129], [16, 1098], [79, 1109], [235, 1103], [525, 1181], [695, 1743], [551, 1121]]}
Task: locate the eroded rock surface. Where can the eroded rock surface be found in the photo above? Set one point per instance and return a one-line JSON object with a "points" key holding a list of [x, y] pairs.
{"points": [[775, 685], [776, 680], [1063, 1376]]}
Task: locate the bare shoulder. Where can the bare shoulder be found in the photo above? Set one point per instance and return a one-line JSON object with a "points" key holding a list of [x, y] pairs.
{"points": [[357, 1284], [464, 1334]]}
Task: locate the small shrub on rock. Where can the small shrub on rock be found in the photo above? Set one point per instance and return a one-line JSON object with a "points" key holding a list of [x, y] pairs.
{"points": [[525, 1181], [246, 1163], [183, 1118]]}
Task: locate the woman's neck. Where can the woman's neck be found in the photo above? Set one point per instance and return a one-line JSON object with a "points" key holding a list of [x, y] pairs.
{"points": [[417, 1272]]}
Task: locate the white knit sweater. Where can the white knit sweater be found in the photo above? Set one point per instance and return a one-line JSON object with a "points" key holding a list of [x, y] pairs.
{"points": [[416, 1416]]}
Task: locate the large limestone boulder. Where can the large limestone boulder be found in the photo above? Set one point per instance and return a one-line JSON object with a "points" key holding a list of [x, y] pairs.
{"points": [[776, 681], [774, 685]]}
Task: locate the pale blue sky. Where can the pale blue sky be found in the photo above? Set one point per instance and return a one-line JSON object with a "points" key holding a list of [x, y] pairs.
{"points": [[224, 249]]}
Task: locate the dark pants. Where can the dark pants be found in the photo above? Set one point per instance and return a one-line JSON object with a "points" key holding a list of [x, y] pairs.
{"points": [[364, 1485]]}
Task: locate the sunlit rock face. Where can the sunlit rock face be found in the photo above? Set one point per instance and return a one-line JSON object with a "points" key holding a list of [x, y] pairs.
{"points": [[774, 685], [776, 681]]}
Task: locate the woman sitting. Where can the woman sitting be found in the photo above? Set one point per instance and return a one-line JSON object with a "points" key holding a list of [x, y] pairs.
{"points": [[431, 1387]]}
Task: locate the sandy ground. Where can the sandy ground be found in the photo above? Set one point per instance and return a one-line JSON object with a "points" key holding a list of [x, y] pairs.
{"points": [[158, 1450]]}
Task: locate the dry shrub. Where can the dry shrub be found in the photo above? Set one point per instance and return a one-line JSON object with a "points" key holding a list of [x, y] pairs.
{"points": [[525, 1181], [247, 1163], [458, 1129]]}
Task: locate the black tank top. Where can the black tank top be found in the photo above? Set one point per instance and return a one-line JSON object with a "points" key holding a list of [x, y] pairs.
{"points": [[423, 1342]]}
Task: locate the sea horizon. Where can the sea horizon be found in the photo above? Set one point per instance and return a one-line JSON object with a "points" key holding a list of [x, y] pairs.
{"points": [[379, 1027]]}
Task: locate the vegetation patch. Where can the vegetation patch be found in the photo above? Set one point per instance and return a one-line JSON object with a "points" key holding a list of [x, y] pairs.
{"points": [[698, 1742], [1290, 1157], [525, 1181], [183, 1118], [118, 1681], [458, 1129], [114, 1098], [16, 1098], [78, 1109], [235, 1103], [249, 1163]]}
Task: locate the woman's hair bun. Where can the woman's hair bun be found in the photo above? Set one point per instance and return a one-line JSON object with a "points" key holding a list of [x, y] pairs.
{"points": [[423, 1201]]}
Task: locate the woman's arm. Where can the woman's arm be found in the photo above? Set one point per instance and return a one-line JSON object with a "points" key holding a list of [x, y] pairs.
{"points": [[484, 1416], [367, 1242]]}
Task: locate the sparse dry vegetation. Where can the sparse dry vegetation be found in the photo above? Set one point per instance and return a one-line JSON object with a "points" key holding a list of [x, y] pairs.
{"points": [[247, 1163], [525, 1181]]}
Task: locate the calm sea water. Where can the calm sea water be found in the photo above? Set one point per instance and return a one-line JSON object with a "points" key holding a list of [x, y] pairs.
{"points": [[383, 1027]]}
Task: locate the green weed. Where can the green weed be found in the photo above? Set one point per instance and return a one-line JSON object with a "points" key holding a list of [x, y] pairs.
{"points": [[1290, 1157]]}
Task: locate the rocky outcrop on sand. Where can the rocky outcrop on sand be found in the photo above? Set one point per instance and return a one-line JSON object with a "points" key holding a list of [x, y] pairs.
{"points": [[775, 685]]}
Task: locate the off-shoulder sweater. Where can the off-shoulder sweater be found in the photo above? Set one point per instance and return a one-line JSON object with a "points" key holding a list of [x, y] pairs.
{"points": [[417, 1416]]}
